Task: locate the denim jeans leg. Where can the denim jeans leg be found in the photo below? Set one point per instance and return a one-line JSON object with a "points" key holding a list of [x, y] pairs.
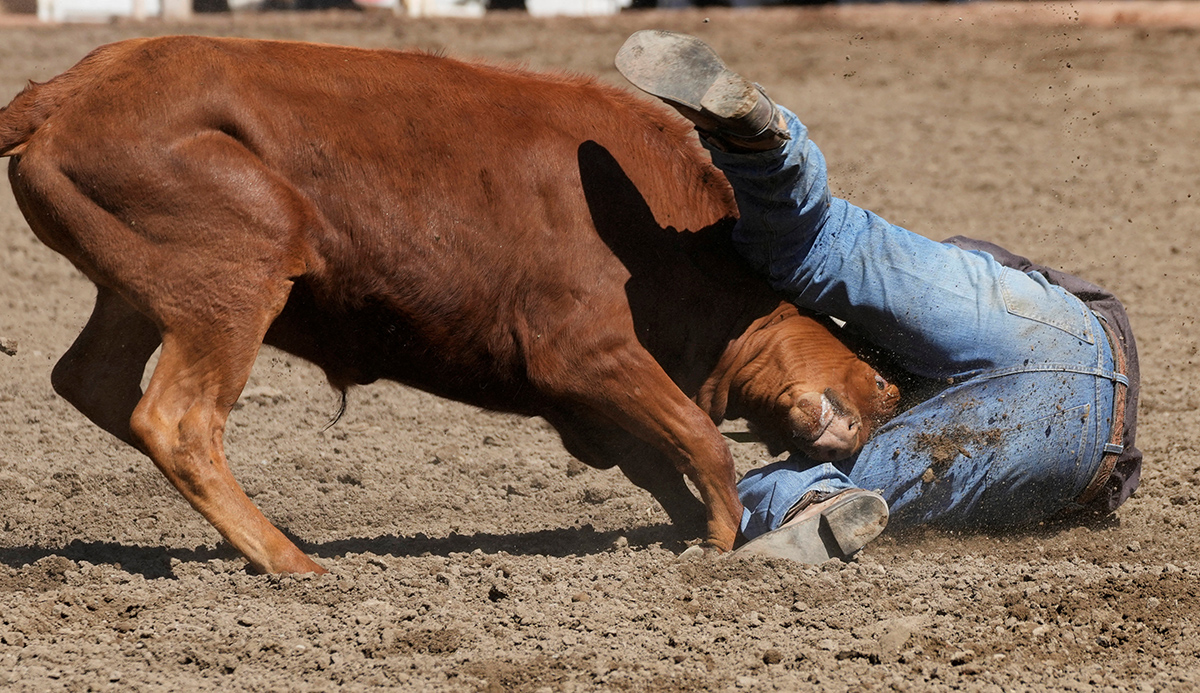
{"points": [[768, 493], [1008, 447], [945, 311]]}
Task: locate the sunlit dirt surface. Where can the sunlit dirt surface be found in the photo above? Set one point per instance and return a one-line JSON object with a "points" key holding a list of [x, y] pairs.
{"points": [[469, 552]]}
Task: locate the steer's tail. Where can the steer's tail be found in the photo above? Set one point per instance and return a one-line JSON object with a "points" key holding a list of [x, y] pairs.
{"points": [[38, 101], [21, 118]]}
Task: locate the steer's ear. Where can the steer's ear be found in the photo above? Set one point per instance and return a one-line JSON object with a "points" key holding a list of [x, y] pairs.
{"points": [[713, 398], [731, 374]]}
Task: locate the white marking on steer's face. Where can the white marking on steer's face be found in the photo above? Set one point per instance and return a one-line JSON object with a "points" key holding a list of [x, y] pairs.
{"points": [[824, 430], [826, 411]]}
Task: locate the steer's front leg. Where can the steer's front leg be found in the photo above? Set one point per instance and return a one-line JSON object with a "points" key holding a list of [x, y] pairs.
{"points": [[628, 387]]}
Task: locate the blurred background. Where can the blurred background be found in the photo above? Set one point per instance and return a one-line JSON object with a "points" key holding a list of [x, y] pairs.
{"points": [[106, 10]]}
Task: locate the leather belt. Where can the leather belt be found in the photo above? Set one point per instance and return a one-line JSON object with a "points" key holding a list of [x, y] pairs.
{"points": [[1114, 448]]}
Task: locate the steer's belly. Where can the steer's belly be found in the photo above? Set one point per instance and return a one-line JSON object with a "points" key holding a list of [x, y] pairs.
{"points": [[465, 360]]}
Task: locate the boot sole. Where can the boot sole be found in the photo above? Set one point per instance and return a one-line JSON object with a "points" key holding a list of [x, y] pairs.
{"points": [[838, 531], [683, 70]]}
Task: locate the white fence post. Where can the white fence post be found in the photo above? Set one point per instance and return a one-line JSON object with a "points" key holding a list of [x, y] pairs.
{"points": [[104, 10], [176, 9]]}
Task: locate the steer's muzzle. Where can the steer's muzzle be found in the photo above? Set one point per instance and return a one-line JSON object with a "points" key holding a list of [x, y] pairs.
{"points": [[824, 427]]}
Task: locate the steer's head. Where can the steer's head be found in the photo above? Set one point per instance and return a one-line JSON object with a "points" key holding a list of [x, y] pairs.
{"points": [[800, 388]]}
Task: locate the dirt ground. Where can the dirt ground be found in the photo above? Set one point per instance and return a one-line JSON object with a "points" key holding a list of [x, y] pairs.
{"points": [[469, 552]]}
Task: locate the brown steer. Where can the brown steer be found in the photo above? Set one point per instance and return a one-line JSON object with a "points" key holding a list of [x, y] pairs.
{"points": [[506, 239]]}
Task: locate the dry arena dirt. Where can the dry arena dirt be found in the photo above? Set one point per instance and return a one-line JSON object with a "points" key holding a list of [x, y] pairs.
{"points": [[469, 552]]}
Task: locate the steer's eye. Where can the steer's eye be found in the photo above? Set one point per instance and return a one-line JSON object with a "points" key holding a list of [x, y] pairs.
{"points": [[880, 383]]}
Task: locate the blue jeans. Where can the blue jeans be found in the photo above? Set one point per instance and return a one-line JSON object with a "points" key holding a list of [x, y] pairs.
{"points": [[1020, 427]]}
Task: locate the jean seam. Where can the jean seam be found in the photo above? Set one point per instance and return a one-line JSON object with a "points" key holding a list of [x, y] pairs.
{"points": [[1049, 367]]}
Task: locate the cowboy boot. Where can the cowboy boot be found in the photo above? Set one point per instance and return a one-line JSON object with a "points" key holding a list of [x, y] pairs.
{"points": [[729, 111], [822, 526]]}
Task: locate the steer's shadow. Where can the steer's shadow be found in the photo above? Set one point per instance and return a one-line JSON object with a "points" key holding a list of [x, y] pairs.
{"points": [[155, 561], [568, 541]]}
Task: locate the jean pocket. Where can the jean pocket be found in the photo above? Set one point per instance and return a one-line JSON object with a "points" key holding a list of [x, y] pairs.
{"points": [[1060, 436], [1031, 297]]}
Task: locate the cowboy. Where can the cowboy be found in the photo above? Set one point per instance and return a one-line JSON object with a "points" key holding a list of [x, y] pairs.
{"points": [[1034, 410]]}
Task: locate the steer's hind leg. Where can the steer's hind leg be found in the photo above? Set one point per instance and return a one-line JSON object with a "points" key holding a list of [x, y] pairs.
{"points": [[101, 374], [180, 423], [199, 236], [180, 419], [629, 388]]}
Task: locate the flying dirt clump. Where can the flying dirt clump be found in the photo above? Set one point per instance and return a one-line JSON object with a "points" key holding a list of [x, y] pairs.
{"points": [[951, 442]]}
